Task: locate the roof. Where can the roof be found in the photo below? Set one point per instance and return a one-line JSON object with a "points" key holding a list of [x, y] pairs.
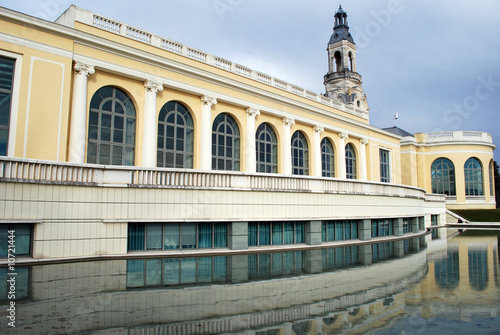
{"points": [[341, 28], [398, 131]]}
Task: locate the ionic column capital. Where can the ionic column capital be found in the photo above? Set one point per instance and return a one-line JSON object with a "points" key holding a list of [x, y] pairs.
{"points": [[288, 122], [253, 112], [364, 141], [209, 101], [152, 86], [343, 136], [318, 129], [83, 69]]}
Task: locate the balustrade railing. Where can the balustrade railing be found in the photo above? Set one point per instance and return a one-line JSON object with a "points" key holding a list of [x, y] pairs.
{"points": [[34, 171]]}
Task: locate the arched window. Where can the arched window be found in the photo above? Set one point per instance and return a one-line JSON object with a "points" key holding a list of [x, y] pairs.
{"points": [[350, 162], [225, 144], [492, 179], [300, 154], [351, 68], [327, 158], [443, 177], [175, 137], [473, 177], [111, 138], [338, 61], [266, 145]]}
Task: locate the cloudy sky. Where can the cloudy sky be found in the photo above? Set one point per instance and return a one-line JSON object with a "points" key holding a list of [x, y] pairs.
{"points": [[436, 63]]}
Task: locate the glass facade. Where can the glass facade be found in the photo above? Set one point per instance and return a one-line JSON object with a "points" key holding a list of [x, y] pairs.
{"points": [[300, 154], [175, 137], [339, 230], [266, 145], [225, 143], [473, 177], [158, 236], [385, 166], [350, 162], [22, 239], [273, 233], [6, 84], [327, 158], [382, 227], [112, 122], [443, 177]]}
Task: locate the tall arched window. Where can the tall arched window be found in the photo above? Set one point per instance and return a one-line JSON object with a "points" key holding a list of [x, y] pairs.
{"points": [[300, 154], [266, 145], [443, 177], [225, 144], [350, 162], [351, 68], [175, 137], [327, 158], [492, 179], [473, 177], [111, 138], [338, 61]]}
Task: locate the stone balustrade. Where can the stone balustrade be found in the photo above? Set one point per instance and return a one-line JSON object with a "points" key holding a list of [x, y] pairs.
{"points": [[37, 171]]}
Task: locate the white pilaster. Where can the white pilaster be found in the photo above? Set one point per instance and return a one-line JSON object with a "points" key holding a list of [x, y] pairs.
{"points": [[150, 128], [317, 150], [251, 158], [287, 146], [362, 159], [206, 132], [78, 129], [342, 165]]}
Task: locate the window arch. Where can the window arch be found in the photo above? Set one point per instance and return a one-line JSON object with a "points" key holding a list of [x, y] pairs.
{"points": [[473, 177], [300, 154], [112, 122], [266, 145], [327, 158], [351, 62], [225, 143], [443, 177], [338, 61], [350, 162], [175, 137]]}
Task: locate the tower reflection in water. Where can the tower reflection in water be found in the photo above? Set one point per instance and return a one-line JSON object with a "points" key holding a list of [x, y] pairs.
{"points": [[350, 290]]}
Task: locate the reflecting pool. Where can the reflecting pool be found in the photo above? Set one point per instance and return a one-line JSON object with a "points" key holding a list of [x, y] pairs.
{"points": [[419, 286]]}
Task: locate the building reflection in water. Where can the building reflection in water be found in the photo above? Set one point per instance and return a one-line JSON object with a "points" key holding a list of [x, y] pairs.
{"points": [[338, 290]]}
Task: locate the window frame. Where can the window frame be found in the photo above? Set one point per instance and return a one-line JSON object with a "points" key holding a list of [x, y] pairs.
{"points": [[300, 154], [186, 155], [326, 143], [448, 177], [14, 101], [474, 188], [128, 130], [350, 162], [385, 165], [270, 152], [223, 120]]}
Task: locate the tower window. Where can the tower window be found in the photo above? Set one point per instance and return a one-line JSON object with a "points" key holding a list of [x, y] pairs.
{"points": [[338, 61]]}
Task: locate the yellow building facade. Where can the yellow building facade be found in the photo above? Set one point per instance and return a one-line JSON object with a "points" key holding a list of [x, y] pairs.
{"points": [[115, 141], [458, 164]]}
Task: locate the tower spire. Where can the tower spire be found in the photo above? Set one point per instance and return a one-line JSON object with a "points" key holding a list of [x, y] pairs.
{"points": [[342, 82]]}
